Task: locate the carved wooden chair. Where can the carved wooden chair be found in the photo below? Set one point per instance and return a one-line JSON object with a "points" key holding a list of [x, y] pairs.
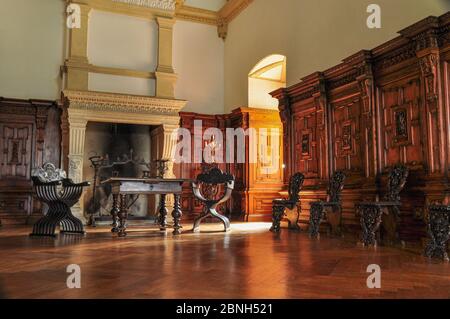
{"points": [[60, 193], [279, 205], [330, 209], [439, 231], [373, 213], [212, 179]]}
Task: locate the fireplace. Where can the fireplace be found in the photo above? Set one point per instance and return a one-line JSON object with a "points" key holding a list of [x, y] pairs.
{"points": [[122, 150], [110, 113]]}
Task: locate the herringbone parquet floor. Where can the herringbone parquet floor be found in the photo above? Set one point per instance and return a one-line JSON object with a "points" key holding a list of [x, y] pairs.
{"points": [[249, 262]]}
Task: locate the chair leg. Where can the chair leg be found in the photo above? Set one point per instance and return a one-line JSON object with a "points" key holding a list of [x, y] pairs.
{"points": [[277, 215], [198, 221], [46, 226], [223, 219], [315, 218], [71, 224]]}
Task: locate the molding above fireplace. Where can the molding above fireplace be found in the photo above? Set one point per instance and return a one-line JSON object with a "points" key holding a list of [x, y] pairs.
{"points": [[121, 108]]}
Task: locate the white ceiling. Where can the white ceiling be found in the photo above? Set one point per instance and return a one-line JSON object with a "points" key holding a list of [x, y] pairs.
{"points": [[214, 5]]}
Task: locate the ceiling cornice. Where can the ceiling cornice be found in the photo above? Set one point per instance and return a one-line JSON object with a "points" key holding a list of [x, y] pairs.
{"points": [[197, 15], [219, 18], [233, 8]]}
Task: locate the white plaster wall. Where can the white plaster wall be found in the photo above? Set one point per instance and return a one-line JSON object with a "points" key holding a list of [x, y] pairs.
{"points": [[198, 59], [313, 34], [31, 48], [121, 84], [121, 41], [259, 96]]}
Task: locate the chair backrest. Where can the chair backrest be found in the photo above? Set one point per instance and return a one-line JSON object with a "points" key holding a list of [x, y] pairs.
{"points": [[397, 180], [214, 177], [48, 173], [336, 185], [295, 185]]}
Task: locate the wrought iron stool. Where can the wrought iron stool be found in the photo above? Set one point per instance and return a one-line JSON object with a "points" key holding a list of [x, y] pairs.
{"points": [[59, 193], [279, 205], [212, 178]]}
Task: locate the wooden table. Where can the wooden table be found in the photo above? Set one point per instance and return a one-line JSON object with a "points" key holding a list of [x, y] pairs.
{"points": [[122, 188]]}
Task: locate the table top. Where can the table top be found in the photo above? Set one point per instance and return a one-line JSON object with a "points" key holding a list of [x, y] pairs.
{"points": [[144, 180]]}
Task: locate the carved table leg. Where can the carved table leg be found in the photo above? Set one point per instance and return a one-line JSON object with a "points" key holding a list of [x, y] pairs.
{"points": [[115, 214], [439, 231], [176, 214], [162, 219], [370, 222], [315, 217], [123, 215], [277, 215]]}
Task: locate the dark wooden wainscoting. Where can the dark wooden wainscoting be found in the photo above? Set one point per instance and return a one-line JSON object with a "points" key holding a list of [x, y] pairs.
{"points": [[254, 188], [29, 136], [377, 108]]}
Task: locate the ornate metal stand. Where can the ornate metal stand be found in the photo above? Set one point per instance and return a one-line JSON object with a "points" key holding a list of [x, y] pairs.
{"points": [[332, 208], [213, 177], [60, 194], [439, 231], [279, 205]]}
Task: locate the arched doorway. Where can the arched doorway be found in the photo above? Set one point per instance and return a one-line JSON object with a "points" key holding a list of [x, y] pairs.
{"points": [[268, 75]]}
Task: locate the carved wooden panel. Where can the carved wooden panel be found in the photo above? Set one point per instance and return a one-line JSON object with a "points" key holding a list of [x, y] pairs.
{"points": [[401, 126], [306, 143], [256, 184], [346, 134], [27, 139], [380, 107], [16, 143]]}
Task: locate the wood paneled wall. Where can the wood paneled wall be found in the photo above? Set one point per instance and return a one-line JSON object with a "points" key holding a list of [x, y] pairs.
{"points": [[377, 108], [29, 137], [254, 188]]}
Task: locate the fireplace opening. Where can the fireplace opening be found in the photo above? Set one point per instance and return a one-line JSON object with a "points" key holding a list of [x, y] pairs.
{"points": [[118, 150]]}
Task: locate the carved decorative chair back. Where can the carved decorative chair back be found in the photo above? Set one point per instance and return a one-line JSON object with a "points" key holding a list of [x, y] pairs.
{"points": [[397, 180], [214, 177], [295, 184], [335, 187], [48, 173]]}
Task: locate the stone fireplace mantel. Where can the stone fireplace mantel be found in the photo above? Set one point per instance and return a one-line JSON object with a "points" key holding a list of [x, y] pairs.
{"points": [[81, 107]]}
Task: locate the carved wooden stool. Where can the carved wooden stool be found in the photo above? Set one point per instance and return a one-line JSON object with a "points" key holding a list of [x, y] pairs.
{"points": [[371, 213], [439, 231], [59, 193], [212, 178], [279, 205], [331, 209]]}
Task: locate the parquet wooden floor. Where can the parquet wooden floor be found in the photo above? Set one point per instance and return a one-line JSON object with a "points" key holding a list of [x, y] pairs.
{"points": [[248, 262]]}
